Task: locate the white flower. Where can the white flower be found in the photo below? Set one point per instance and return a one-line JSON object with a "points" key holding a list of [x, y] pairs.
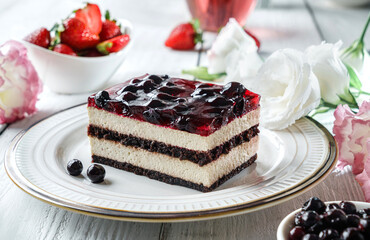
{"points": [[358, 58], [235, 53], [330, 71], [289, 90]]}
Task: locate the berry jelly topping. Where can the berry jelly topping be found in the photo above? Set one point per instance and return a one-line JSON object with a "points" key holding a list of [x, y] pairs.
{"points": [[191, 106]]}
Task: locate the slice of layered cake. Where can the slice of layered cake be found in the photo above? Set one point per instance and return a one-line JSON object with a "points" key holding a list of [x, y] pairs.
{"points": [[177, 131]]}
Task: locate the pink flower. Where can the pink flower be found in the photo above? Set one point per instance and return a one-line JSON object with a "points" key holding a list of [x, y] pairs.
{"points": [[352, 133], [364, 178], [19, 83]]}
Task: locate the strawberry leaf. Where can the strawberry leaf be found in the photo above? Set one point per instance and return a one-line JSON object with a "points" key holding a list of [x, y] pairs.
{"points": [[107, 15], [198, 38]]}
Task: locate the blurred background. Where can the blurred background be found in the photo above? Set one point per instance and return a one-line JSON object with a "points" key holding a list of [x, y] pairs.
{"points": [[276, 23]]}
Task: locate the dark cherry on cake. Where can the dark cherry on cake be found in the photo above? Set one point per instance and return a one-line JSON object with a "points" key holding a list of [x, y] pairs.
{"points": [[190, 106], [340, 221]]}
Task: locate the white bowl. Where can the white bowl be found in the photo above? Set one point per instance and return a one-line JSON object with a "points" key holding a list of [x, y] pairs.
{"points": [[288, 222], [70, 74]]}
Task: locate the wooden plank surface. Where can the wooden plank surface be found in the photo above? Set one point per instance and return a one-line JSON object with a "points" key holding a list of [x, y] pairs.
{"points": [[288, 23]]}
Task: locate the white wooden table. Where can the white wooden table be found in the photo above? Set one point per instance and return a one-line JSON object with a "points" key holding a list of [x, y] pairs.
{"points": [[278, 24]]}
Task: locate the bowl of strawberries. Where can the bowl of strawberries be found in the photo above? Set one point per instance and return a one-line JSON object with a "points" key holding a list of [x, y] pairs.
{"points": [[82, 52]]}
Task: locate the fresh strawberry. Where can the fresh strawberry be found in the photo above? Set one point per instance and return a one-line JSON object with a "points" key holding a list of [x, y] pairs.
{"points": [[185, 36], [91, 53], [254, 38], [77, 35], [40, 37], [113, 45], [65, 49], [110, 29], [91, 16]]}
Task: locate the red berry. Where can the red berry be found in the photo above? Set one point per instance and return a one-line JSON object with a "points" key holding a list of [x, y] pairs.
{"points": [[65, 49], [40, 37], [91, 16], [77, 35], [113, 45], [182, 37], [109, 30], [91, 53]]}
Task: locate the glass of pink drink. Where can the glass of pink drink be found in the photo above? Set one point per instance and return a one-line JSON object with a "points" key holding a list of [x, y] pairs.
{"points": [[214, 14]]}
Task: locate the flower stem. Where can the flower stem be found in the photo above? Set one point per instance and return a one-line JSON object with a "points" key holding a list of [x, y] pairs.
{"points": [[365, 29]]}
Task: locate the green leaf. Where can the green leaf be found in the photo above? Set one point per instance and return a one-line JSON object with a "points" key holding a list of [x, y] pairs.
{"points": [[202, 73], [198, 31], [107, 15], [354, 80], [196, 24], [348, 99]]}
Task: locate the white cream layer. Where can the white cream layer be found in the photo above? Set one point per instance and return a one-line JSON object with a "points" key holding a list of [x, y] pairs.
{"points": [[170, 136], [184, 169]]}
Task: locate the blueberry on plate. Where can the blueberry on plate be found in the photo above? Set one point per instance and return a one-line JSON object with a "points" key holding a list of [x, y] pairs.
{"points": [[96, 173], [74, 167]]}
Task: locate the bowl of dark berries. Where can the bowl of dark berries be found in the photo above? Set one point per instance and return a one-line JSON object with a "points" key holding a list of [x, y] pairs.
{"points": [[80, 53], [318, 220]]}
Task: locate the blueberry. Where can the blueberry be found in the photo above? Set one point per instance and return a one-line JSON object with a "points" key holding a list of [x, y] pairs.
{"points": [[129, 88], [363, 213], [152, 115], [156, 79], [182, 122], [314, 204], [204, 92], [168, 84], [74, 167], [147, 85], [96, 173], [165, 76], [348, 207], [332, 206], [364, 226], [310, 236], [181, 108], [129, 96], [307, 218], [335, 218], [296, 233], [329, 234], [219, 101], [238, 108], [101, 98], [317, 227], [352, 234], [171, 90], [133, 81], [353, 220], [165, 96], [233, 89], [154, 103]]}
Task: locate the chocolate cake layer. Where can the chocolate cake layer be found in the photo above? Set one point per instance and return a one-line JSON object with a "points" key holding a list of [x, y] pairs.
{"points": [[169, 179], [199, 157]]}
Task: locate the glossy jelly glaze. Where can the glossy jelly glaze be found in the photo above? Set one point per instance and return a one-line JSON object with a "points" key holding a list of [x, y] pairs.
{"points": [[191, 106]]}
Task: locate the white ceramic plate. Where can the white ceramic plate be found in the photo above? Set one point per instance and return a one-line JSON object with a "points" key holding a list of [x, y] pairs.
{"points": [[289, 162], [288, 222]]}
